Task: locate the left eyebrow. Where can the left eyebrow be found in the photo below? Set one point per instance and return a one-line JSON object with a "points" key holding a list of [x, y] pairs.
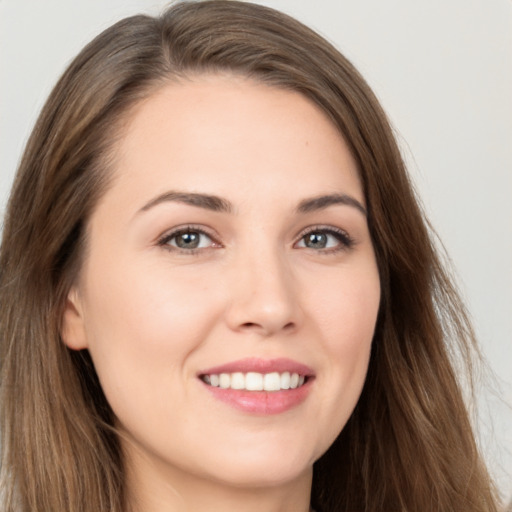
{"points": [[324, 201]]}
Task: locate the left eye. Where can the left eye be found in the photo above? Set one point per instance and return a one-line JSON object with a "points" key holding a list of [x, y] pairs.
{"points": [[324, 239], [188, 239]]}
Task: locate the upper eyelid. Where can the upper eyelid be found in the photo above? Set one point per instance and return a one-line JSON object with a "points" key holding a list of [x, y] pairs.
{"points": [[322, 227], [172, 232]]}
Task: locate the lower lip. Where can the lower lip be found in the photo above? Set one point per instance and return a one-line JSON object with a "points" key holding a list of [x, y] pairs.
{"points": [[262, 402]]}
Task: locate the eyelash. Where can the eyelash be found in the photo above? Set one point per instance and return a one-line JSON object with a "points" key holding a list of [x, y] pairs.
{"points": [[167, 237], [346, 242]]}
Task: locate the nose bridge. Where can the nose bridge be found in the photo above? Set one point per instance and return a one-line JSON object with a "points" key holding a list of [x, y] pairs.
{"points": [[263, 296]]}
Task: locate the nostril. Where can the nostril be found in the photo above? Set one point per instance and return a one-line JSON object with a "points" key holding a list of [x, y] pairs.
{"points": [[266, 329]]}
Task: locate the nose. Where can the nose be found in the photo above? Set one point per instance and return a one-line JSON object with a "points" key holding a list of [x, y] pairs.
{"points": [[263, 295]]}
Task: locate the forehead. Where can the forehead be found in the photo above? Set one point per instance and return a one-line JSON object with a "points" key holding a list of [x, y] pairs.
{"points": [[231, 135]]}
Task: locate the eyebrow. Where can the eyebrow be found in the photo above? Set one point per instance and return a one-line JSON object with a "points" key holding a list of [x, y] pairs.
{"points": [[208, 202], [218, 204], [324, 201]]}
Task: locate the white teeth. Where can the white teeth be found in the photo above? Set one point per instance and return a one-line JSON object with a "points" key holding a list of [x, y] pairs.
{"points": [[237, 381], [253, 381], [224, 380], [272, 382]]}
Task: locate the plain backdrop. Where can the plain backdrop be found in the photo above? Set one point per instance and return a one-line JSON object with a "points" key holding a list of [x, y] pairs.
{"points": [[443, 71]]}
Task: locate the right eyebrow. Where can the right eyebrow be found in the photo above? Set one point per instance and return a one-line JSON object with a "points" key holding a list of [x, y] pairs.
{"points": [[206, 201]]}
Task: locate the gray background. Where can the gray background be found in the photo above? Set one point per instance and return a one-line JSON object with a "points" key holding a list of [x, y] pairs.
{"points": [[443, 71]]}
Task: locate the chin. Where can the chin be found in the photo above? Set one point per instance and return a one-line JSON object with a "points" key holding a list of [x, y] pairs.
{"points": [[248, 476], [262, 468]]}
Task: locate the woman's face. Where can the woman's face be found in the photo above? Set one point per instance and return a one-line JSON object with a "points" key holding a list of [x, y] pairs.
{"points": [[229, 293]]}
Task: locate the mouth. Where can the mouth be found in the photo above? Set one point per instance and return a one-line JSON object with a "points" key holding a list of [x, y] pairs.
{"points": [[260, 386], [254, 381]]}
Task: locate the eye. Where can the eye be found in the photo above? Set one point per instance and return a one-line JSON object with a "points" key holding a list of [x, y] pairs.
{"points": [[326, 239], [187, 239]]}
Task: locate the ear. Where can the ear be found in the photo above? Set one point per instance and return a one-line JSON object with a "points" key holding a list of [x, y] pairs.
{"points": [[72, 329]]}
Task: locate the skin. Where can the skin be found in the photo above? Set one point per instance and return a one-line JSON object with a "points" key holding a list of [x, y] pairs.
{"points": [[153, 315]]}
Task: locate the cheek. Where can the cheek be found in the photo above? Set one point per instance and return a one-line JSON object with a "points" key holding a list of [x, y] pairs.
{"points": [[346, 310], [146, 306], [141, 328], [346, 317]]}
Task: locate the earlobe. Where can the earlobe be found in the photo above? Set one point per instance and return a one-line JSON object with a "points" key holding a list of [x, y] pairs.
{"points": [[72, 329]]}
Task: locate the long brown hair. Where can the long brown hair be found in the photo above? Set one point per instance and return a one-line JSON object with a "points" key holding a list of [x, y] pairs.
{"points": [[409, 444]]}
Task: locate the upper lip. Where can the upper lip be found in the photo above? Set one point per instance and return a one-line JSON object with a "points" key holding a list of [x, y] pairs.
{"points": [[258, 365]]}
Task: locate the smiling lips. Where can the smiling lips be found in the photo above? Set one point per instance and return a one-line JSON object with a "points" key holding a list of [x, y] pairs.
{"points": [[253, 381], [260, 386]]}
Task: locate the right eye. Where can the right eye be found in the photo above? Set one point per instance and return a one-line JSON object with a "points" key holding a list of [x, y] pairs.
{"points": [[187, 239]]}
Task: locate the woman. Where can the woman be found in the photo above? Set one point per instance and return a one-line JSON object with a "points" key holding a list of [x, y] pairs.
{"points": [[218, 291]]}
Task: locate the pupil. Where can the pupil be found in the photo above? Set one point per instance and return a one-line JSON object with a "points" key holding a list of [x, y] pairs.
{"points": [[316, 240], [187, 240]]}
